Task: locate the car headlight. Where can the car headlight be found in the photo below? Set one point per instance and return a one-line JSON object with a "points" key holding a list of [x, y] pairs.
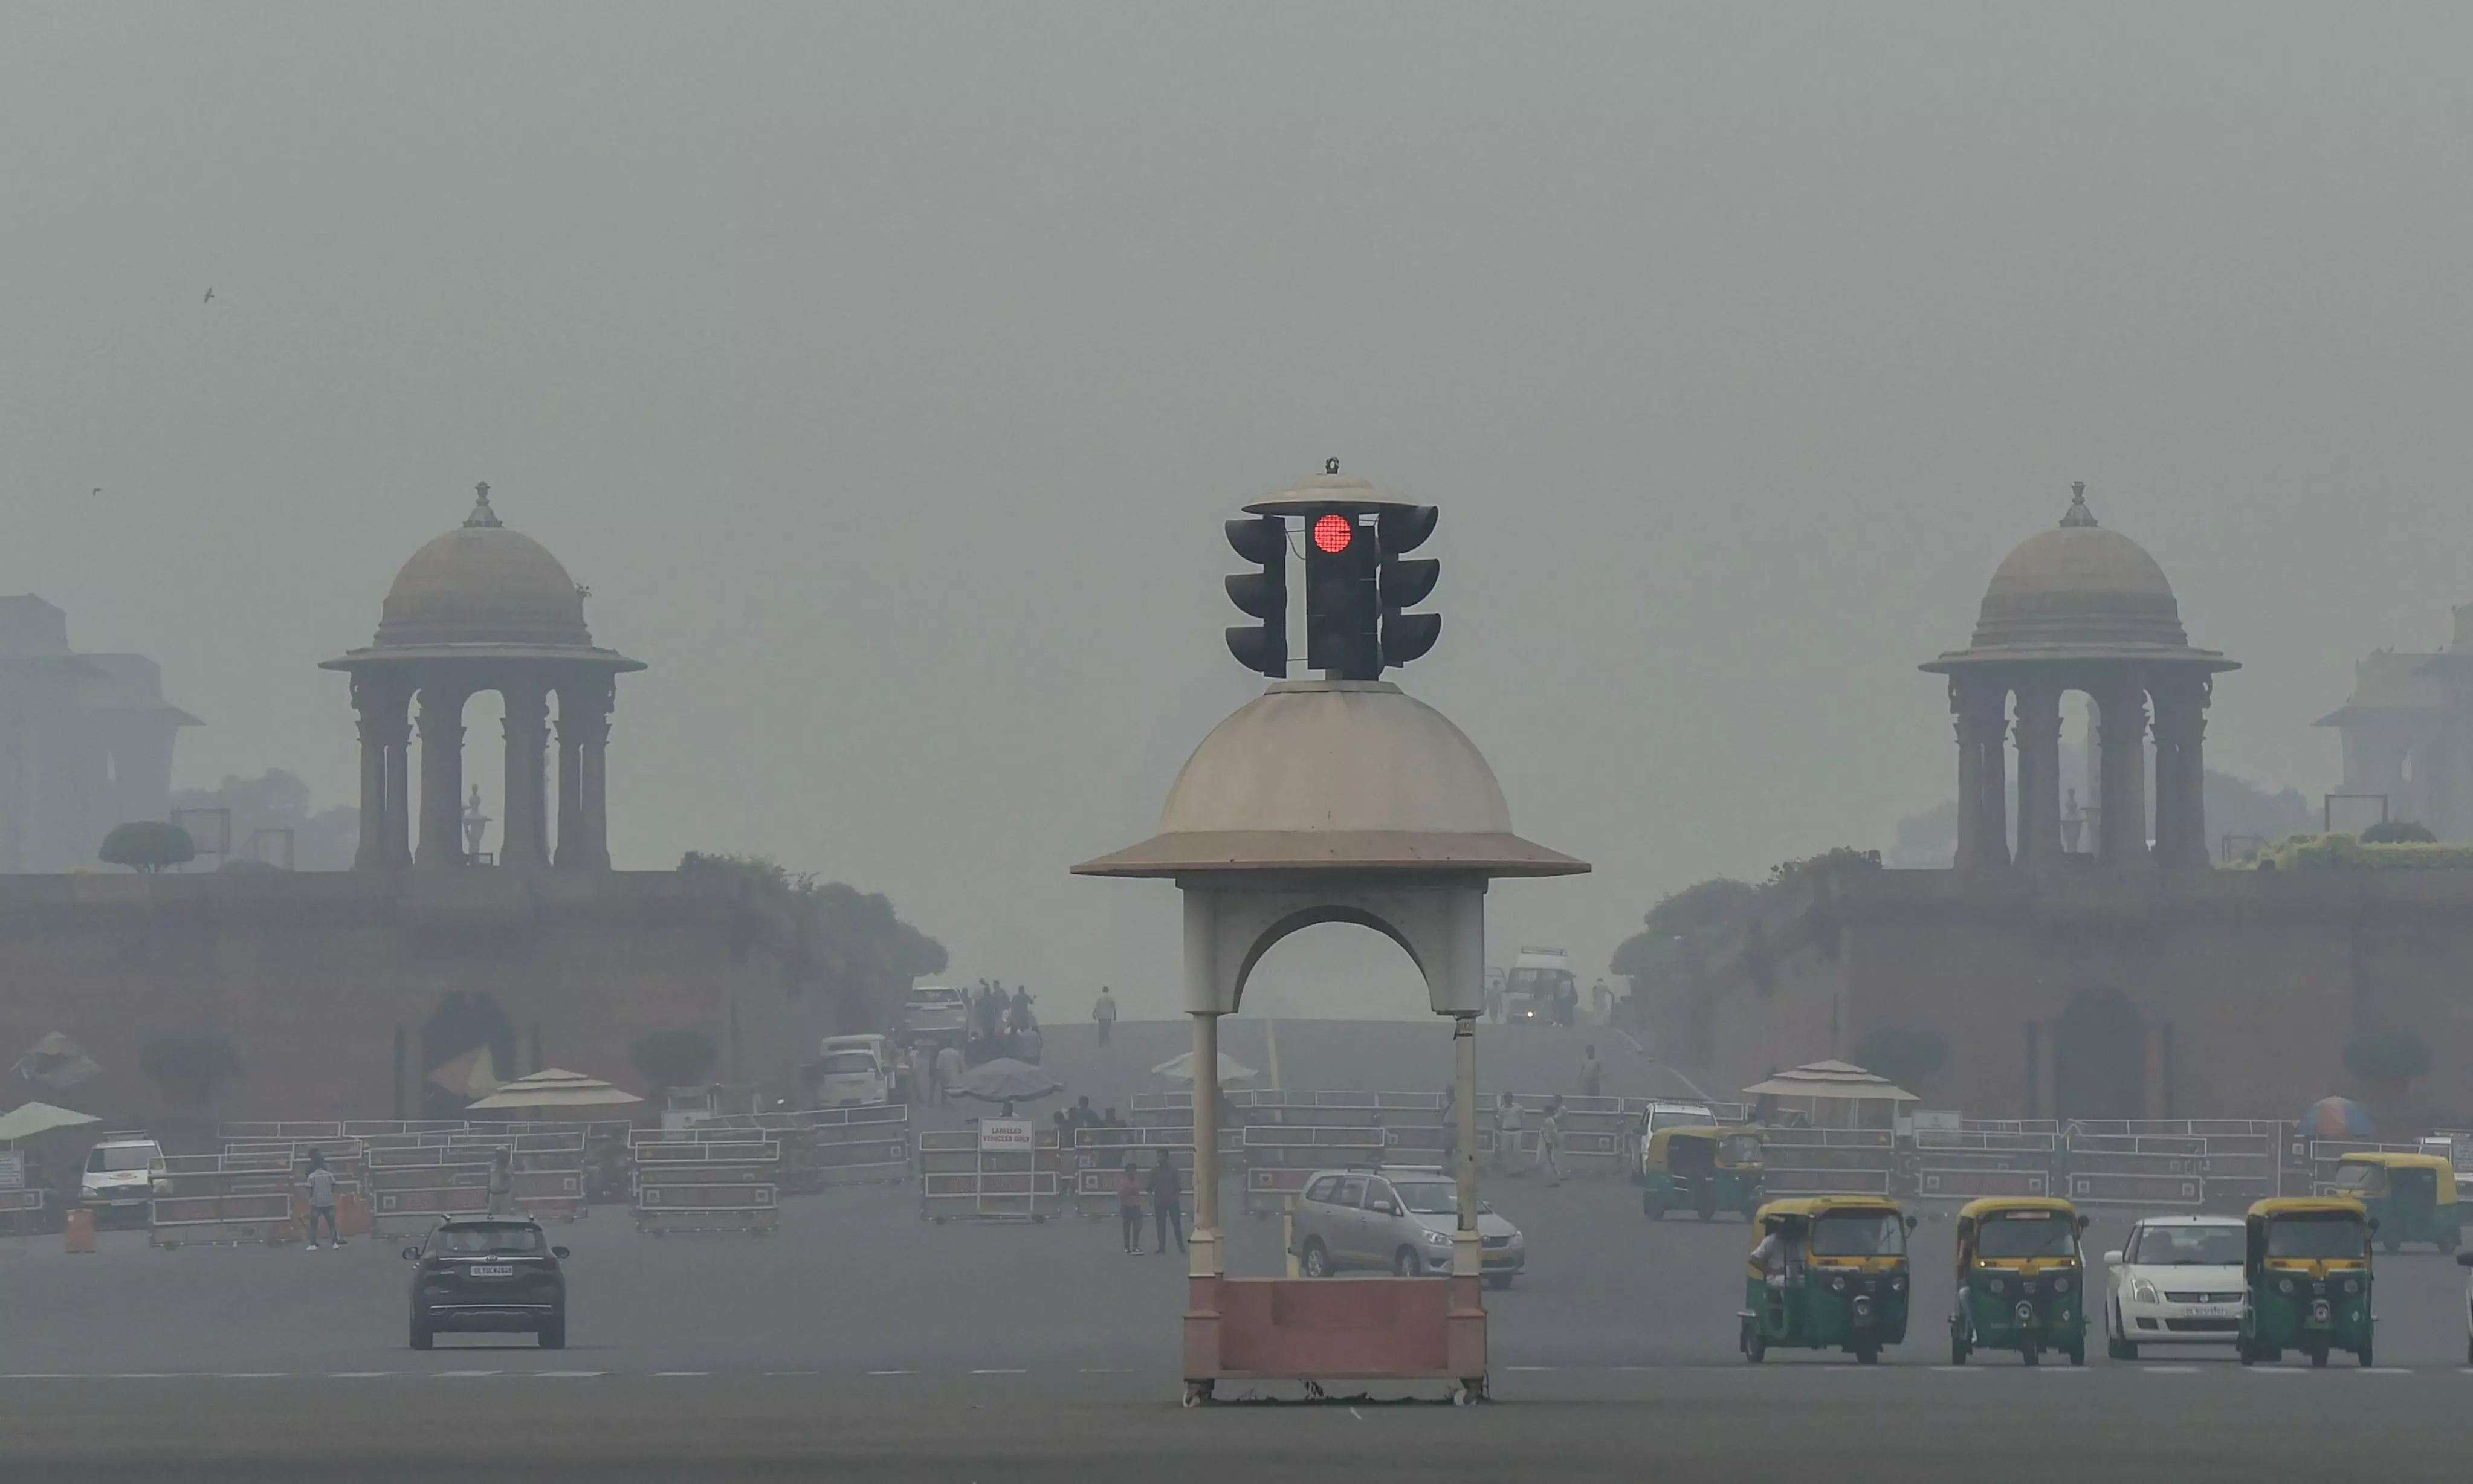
{"points": [[2284, 1286], [2061, 1285], [1996, 1286], [1438, 1238], [2352, 1285], [2141, 1291]]}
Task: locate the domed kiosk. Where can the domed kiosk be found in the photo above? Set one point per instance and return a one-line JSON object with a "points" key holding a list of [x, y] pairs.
{"points": [[482, 609], [1332, 800], [2081, 608]]}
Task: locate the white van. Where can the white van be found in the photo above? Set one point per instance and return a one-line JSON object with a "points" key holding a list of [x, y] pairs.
{"points": [[854, 1072]]}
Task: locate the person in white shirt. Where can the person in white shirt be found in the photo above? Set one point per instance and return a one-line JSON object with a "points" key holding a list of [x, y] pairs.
{"points": [[1105, 1013]]}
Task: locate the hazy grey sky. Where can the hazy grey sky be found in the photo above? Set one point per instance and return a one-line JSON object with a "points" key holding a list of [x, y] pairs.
{"points": [[887, 370]]}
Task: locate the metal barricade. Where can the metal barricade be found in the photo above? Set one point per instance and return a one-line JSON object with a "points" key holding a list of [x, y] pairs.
{"points": [[1279, 1159], [720, 1185], [221, 1201], [414, 1186], [2153, 1171], [1971, 1163], [1828, 1161], [1095, 1160], [959, 1181], [860, 1145]]}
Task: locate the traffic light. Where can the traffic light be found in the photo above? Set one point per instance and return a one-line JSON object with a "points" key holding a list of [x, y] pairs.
{"points": [[1405, 583], [1343, 606], [1262, 648]]}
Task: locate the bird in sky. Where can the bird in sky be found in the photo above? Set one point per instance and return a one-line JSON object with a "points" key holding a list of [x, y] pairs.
{"points": [[98, 489], [209, 298]]}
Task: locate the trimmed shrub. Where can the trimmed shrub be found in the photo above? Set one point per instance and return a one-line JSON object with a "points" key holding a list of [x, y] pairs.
{"points": [[147, 845], [2398, 832]]}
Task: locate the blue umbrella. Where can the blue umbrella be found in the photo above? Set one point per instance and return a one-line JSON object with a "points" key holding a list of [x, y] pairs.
{"points": [[2336, 1117]]}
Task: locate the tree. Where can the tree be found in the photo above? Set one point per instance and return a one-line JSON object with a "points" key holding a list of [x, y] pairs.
{"points": [[677, 1058], [2388, 1061], [848, 946], [1904, 1054], [147, 845], [187, 1061], [2398, 832]]}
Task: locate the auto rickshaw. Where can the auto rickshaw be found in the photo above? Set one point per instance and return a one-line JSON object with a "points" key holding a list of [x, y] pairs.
{"points": [[2411, 1196], [2021, 1280], [1837, 1280], [2308, 1275], [1699, 1170]]}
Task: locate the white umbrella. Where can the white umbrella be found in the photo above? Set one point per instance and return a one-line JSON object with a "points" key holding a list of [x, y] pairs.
{"points": [[1832, 1079], [40, 1118], [553, 1088], [1179, 1069]]}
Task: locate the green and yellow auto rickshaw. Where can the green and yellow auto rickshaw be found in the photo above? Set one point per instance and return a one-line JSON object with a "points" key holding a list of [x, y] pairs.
{"points": [[2021, 1280], [2411, 1196], [1699, 1170], [2308, 1277], [1829, 1273]]}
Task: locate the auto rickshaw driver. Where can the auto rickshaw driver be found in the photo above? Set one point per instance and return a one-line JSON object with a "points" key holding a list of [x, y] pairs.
{"points": [[1829, 1273], [2021, 1280], [2306, 1272]]}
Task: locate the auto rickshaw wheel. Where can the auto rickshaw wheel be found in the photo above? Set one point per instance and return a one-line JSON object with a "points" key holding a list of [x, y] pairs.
{"points": [[1957, 1349], [2033, 1354], [2363, 1355], [1755, 1348], [2078, 1352], [2318, 1355], [1868, 1355], [2248, 1352]]}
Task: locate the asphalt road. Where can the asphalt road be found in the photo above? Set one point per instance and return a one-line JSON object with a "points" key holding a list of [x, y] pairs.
{"points": [[861, 1343]]}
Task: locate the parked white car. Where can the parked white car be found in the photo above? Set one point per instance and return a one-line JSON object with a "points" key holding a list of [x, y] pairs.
{"points": [[2177, 1280]]}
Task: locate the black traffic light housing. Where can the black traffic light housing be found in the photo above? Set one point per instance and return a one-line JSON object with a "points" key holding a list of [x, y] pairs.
{"points": [[1359, 578], [1406, 583], [1261, 647], [1343, 608]]}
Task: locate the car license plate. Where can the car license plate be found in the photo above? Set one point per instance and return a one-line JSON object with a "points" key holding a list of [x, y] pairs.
{"points": [[492, 1270]]}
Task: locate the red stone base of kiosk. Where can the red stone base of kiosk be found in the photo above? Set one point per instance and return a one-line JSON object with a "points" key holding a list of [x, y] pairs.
{"points": [[1335, 1330]]}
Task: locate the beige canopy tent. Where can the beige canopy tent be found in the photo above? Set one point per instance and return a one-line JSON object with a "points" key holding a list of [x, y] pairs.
{"points": [[40, 1118], [552, 1088], [1835, 1095], [1178, 1069]]}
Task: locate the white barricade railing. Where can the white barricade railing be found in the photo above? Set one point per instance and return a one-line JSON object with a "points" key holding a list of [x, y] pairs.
{"points": [[1095, 1161], [220, 1199], [960, 1181], [719, 1185]]}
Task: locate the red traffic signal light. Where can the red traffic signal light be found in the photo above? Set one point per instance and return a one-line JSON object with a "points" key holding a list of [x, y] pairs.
{"points": [[1332, 533]]}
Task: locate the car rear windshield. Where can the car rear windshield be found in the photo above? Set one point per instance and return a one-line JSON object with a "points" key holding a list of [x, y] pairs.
{"points": [[2188, 1247], [489, 1241], [1858, 1235], [2314, 1234], [2361, 1177], [122, 1157], [2043, 1235], [849, 1061]]}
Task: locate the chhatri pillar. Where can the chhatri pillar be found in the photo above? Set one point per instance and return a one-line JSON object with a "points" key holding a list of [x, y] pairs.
{"points": [[2078, 608], [483, 608]]}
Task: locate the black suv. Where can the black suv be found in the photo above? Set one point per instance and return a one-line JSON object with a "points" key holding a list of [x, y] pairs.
{"points": [[496, 1273]]}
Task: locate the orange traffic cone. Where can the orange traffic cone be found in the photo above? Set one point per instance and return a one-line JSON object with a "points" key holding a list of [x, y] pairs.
{"points": [[80, 1231]]}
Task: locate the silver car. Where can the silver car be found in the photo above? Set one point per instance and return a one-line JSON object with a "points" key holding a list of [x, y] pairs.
{"points": [[1396, 1218]]}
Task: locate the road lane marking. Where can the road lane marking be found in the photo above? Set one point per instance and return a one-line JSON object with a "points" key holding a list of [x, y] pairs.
{"points": [[1530, 1368], [142, 1376], [447, 1375], [794, 1373], [2385, 1370], [1962, 1370], [578, 1375], [2170, 1370], [359, 1375], [1000, 1371], [1092, 1371], [250, 1376], [680, 1373], [893, 1372], [43, 1376]]}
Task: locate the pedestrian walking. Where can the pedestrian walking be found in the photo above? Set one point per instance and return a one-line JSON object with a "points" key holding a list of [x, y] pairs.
{"points": [[502, 1181], [1105, 1013], [321, 1201], [1593, 1072], [1507, 1134], [1550, 1142], [923, 1073], [1165, 1194], [948, 1071], [1129, 1208]]}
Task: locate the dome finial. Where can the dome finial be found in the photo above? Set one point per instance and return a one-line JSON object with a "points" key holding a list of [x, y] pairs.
{"points": [[2078, 513], [482, 517]]}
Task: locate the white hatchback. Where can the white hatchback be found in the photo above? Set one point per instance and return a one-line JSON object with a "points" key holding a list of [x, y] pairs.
{"points": [[2177, 1280]]}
